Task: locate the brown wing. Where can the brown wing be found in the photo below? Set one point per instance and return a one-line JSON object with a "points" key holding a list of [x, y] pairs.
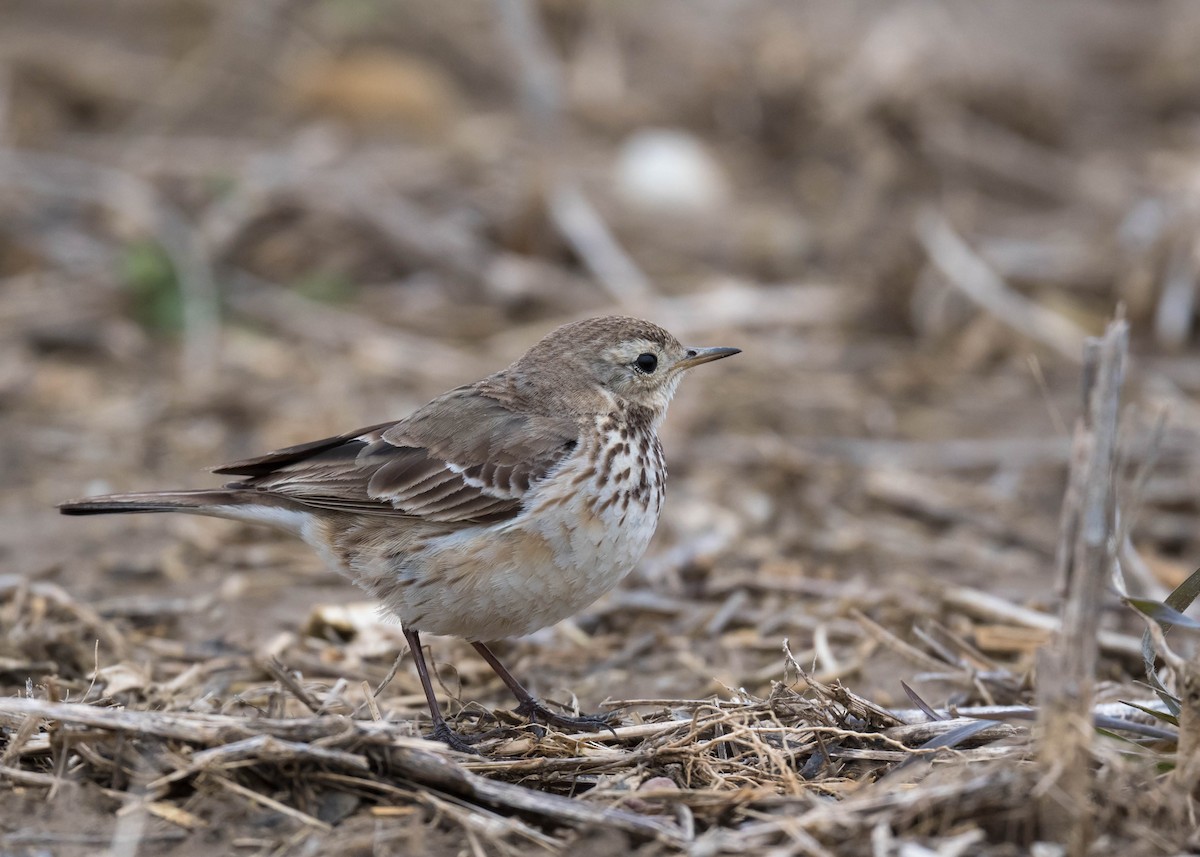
{"points": [[464, 457]]}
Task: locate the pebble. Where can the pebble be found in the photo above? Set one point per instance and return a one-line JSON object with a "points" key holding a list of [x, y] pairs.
{"points": [[664, 170]]}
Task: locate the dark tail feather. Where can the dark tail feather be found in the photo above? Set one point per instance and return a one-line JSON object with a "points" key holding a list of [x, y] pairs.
{"points": [[152, 501]]}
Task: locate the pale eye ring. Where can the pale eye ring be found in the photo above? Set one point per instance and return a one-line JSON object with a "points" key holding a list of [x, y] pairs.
{"points": [[646, 363]]}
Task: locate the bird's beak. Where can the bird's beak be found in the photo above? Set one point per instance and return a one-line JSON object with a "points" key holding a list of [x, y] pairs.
{"points": [[696, 356]]}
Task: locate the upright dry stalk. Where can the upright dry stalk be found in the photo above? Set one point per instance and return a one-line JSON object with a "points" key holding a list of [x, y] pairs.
{"points": [[1185, 777], [1086, 553], [540, 78]]}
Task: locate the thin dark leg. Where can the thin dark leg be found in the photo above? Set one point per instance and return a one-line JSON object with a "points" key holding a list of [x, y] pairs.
{"points": [[528, 705], [441, 729]]}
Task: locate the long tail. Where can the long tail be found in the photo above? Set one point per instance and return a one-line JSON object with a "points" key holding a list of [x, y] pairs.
{"points": [[150, 501], [239, 505]]}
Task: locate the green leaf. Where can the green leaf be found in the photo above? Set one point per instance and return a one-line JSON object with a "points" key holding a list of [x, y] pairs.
{"points": [[1163, 614], [1179, 599], [922, 704], [1184, 594], [330, 288], [1157, 715], [151, 281]]}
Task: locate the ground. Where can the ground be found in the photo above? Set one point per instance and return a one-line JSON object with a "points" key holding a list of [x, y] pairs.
{"points": [[229, 228]]}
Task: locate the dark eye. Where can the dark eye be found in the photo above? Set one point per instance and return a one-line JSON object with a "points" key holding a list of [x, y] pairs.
{"points": [[646, 362]]}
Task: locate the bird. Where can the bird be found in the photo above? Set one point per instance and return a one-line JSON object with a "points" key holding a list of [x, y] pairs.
{"points": [[499, 508]]}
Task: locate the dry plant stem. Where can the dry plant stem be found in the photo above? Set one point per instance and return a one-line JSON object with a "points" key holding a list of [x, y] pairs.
{"points": [[964, 270], [891, 641], [581, 224], [538, 71], [1177, 302], [111, 641], [1086, 555], [269, 803], [1186, 775], [280, 673], [1012, 158], [1187, 757], [412, 758], [988, 606], [27, 778], [540, 78], [16, 743]]}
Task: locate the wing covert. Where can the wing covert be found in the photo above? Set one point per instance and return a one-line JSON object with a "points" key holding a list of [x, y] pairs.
{"points": [[465, 457]]}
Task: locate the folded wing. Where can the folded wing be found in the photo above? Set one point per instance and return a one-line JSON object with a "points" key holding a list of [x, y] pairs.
{"points": [[463, 458]]}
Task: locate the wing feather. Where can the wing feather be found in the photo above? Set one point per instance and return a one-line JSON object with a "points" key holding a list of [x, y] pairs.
{"points": [[467, 456]]}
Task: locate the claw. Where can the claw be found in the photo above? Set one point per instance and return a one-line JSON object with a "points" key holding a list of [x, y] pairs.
{"points": [[456, 742], [534, 711]]}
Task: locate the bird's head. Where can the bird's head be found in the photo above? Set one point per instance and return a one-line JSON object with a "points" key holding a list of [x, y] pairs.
{"points": [[588, 366]]}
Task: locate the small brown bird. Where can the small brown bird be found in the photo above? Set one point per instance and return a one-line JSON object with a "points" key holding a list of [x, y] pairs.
{"points": [[499, 508]]}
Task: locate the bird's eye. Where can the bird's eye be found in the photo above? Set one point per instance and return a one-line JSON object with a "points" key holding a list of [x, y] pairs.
{"points": [[646, 362]]}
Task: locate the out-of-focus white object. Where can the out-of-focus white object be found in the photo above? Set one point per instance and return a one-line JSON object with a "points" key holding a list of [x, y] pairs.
{"points": [[663, 170]]}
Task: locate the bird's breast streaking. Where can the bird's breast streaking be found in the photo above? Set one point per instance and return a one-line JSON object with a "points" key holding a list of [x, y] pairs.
{"points": [[584, 527]]}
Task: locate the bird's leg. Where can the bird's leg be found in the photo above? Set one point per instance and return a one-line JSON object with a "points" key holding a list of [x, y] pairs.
{"points": [[529, 706], [441, 729]]}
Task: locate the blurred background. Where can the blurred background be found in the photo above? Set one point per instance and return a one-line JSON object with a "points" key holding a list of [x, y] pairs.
{"points": [[227, 227]]}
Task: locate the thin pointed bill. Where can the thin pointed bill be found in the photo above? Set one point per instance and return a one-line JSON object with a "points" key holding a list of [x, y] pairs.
{"points": [[696, 356]]}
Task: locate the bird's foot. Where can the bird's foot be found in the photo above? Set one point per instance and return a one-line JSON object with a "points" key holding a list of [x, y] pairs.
{"points": [[442, 732], [536, 713]]}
